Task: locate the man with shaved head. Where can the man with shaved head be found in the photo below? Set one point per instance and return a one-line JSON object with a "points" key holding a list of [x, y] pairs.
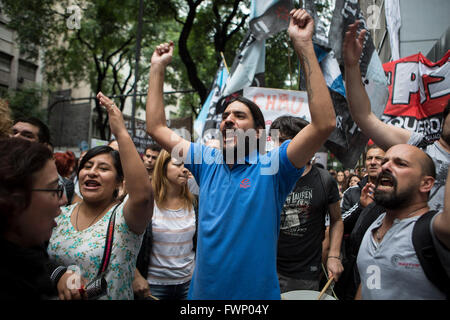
{"points": [[387, 135], [387, 261]]}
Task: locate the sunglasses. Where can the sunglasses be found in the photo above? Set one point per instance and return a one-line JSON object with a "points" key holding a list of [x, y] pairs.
{"points": [[58, 191]]}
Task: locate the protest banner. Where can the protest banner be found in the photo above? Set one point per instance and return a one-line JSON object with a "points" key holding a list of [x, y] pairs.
{"points": [[419, 90], [275, 103], [349, 142]]}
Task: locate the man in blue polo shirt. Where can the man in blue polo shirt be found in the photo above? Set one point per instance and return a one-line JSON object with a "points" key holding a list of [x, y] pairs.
{"points": [[241, 190]]}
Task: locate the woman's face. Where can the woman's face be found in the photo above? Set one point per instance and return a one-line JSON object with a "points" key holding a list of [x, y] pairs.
{"points": [[177, 174], [353, 181], [34, 226], [340, 177], [97, 178]]}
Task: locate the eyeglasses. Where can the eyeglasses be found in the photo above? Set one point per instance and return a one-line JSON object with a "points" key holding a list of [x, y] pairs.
{"points": [[59, 191]]}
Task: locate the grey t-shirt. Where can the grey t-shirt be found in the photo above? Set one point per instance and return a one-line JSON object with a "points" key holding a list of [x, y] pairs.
{"points": [[390, 270], [441, 159]]}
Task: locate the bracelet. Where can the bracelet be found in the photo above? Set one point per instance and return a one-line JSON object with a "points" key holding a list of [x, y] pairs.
{"points": [[334, 257]]}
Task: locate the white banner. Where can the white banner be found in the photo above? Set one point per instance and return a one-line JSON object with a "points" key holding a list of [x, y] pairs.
{"points": [[275, 103]]}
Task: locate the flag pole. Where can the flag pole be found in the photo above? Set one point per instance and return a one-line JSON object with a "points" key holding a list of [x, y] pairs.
{"points": [[224, 61]]}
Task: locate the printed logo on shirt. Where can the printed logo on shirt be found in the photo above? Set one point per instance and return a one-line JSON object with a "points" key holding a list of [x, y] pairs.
{"points": [[296, 212], [399, 261], [245, 183]]}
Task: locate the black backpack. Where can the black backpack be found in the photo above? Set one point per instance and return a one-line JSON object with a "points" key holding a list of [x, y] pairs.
{"points": [[427, 255]]}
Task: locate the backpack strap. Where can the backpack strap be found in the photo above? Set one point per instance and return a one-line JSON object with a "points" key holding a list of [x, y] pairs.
{"points": [[427, 255]]}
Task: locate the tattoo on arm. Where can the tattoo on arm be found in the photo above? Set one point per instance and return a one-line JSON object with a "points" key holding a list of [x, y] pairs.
{"points": [[307, 72]]}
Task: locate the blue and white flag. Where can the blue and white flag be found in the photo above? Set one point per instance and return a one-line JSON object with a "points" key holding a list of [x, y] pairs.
{"points": [[249, 62], [266, 19], [213, 97], [373, 76], [330, 69], [269, 17], [347, 142]]}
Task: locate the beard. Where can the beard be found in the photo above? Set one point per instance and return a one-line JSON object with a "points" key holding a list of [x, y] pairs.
{"points": [[242, 148], [445, 135], [392, 199], [235, 153]]}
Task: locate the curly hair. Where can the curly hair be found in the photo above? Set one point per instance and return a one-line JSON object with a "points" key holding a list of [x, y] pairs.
{"points": [[19, 160]]}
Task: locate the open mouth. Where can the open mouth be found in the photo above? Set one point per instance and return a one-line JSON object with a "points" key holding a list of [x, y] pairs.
{"points": [[386, 180], [91, 184], [229, 136]]}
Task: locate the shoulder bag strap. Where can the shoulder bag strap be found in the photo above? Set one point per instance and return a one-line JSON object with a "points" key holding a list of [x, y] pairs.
{"points": [[108, 243]]}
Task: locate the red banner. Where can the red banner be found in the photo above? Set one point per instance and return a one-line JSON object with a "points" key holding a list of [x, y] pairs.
{"points": [[418, 92]]}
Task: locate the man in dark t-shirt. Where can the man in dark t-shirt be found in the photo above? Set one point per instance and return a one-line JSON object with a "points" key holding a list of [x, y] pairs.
{"points": [[302, 226]]}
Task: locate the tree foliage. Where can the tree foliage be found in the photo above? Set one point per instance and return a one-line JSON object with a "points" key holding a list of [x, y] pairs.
{"points": [[25, 103], [102, 50]]}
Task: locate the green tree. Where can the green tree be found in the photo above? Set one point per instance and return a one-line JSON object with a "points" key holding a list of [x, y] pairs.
{"points": [[101, 50], [207, 29], [25, 102]]}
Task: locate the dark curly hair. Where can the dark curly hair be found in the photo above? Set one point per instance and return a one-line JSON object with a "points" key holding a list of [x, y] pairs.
{"points": [[19, 160]]}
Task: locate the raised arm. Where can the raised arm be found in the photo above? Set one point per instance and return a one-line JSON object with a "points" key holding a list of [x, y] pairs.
{"points": [[383, 134], [441, 225], [155, 116], [323, 119], [138, 209]]}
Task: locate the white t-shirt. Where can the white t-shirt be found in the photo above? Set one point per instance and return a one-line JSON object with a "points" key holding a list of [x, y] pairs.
{"points": [[172, 259]]}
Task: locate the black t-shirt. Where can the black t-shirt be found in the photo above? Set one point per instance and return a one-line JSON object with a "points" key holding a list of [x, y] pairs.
{"points": [[303, 223]]}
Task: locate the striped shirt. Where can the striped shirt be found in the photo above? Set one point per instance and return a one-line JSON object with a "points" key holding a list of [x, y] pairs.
{"points": [[173, 256]]}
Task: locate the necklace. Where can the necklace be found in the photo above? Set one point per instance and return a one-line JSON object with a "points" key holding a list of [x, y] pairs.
{"points": [[78, 212]]}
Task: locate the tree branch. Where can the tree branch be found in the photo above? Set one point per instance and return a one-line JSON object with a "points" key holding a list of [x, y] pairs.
{"points": [[185, 56]]}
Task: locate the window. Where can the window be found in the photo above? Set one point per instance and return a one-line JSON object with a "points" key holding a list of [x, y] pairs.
{"points": [[5, 62], [27, 71]]}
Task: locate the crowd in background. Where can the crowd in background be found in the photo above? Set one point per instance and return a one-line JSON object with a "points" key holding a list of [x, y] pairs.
{"points": [[164, 226]]}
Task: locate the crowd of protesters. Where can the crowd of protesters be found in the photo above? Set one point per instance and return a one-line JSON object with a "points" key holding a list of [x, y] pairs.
{"points": [[250, 224]]}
